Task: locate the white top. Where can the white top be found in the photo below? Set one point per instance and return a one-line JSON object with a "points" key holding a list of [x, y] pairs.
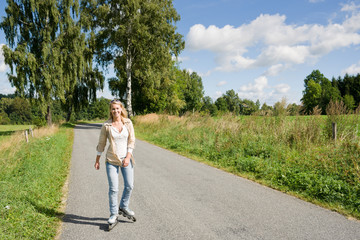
{"points": [[120, 139]]}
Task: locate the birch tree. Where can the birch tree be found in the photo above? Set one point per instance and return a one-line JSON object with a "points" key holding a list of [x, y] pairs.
{"points": [[45, 50], [137, 36]]}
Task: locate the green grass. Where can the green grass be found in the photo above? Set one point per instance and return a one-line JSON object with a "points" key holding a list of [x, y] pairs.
{"points": [[7, 130], [292, 154], [31, 182]]}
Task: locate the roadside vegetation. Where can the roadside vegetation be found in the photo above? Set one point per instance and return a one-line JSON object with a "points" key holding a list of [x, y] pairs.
{"points": [[7, 130], [294, 154], [32, 176]]}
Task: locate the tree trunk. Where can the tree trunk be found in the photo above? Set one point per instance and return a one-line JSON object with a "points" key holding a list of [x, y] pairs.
{"points": [[48, 116], [68, 115], [128, 79]]}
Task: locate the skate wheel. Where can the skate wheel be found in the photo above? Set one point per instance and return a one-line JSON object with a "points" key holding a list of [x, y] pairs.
{"points": [[111, 226], [134, 219]]}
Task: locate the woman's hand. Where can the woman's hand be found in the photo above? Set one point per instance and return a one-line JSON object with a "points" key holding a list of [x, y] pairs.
{"points": [[97, 165], [126, 162], [97, 162]]}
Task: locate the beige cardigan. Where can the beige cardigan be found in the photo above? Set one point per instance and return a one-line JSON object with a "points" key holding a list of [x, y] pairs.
{"points": [[105, 134]]}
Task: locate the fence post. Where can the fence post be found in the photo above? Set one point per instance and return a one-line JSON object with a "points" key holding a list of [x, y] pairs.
{"points": [[26, 136], [334, 131], [31, 132]]}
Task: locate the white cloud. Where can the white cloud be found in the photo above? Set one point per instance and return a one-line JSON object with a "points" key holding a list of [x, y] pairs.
{"points": [[257, 87], [204, 74], [221, 83], [3, 66], [282, 88], [283, 54], [280, 45], [275, 69], [351, 7], [180, 59], [260, 89], [353, 69]]}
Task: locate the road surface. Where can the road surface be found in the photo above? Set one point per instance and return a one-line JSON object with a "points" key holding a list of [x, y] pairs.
{"points": [[177, 198]]}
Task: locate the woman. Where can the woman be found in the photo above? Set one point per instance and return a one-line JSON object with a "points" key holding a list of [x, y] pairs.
{"points": [[119, 130]]}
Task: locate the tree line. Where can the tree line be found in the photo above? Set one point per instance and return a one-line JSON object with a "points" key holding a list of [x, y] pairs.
{"points": [[186, 94], [319, 91], [17, 110]]}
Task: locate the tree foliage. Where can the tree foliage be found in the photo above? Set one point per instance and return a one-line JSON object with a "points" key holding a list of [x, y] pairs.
{"points": [[230, 102], [319, 91], [47, 51], [139, 38]]}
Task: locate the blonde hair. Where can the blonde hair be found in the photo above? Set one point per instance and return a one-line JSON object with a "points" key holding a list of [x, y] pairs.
{"points": [[123, 114]]}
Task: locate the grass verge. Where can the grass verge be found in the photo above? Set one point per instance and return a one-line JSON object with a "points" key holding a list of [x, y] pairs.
{"points": [[31, 179], [291, 154]]}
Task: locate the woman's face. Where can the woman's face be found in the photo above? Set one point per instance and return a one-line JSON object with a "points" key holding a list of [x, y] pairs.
{"points": [[115, 110]]}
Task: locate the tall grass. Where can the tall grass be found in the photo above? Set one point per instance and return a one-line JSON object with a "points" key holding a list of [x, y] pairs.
{"points": [[31, 179], [294, 154]]}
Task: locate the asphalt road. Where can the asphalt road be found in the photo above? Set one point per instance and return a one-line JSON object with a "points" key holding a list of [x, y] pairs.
{"points": [[178, 198]]}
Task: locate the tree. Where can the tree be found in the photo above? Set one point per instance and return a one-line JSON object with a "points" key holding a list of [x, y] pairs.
{"points": [[7, 95], [311, 96], [350, 85], [328, 93], [161, 92], [266, 107], [248, 107], [221, 104], [46, 50], [232, 101], [293, 109], [139, 37], [319, 91], [194, 91], [5, 104], [280, 108], [349, 102], [208, 106], [17, 110], [312, 93], [257, 104]]}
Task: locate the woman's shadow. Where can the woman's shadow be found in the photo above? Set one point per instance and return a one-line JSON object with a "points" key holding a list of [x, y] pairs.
{"points": [[101, 222], [75, 219]]}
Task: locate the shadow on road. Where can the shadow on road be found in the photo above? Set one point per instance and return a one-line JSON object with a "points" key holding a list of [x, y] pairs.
{"points": [[88, 126], [100, 222], [75, 219]]}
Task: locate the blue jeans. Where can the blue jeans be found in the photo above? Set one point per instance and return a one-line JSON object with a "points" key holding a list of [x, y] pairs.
{"points": [[113, 180]]}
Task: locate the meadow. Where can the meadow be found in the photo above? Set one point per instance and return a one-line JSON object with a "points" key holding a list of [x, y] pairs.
{"points": [[297, 155], [7, 130], [32, 176]]}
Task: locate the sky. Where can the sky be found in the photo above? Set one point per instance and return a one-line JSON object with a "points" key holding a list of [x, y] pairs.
{"points": [[261, 49]]}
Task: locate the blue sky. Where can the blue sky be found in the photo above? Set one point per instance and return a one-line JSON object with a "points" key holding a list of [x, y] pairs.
{"points": [[261, 49]]}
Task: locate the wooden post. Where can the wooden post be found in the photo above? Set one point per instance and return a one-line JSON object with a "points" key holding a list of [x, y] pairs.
{"points": [[26, 136], [31, 132], [334, 131]]}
